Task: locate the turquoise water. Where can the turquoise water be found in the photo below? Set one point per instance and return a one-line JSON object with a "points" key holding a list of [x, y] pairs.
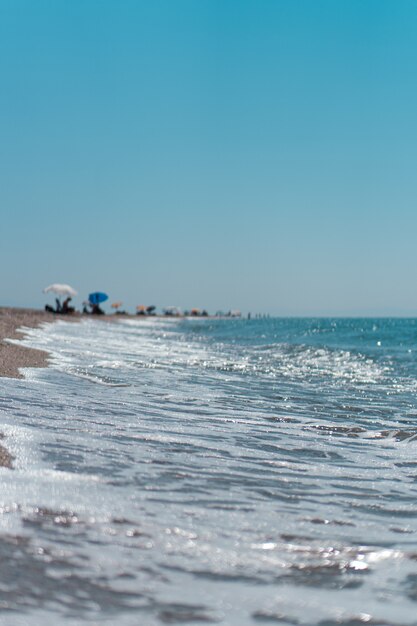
{"points": [[213, 471]]}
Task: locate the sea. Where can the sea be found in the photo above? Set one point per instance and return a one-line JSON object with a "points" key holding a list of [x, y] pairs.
{"points": [[212, 471]]}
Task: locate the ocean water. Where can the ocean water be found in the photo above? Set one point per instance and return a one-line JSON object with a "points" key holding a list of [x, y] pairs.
{"points": [[234, 472]]}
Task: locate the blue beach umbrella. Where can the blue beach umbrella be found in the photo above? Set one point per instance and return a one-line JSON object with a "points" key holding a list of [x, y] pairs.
{"points": [[97, 297]]}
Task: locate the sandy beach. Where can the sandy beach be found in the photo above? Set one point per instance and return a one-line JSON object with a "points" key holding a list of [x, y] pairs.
{"points": [[13, 357]]}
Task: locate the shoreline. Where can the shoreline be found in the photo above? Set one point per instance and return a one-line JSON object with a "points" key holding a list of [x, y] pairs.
{"points": [[14, 357], [13, 321]]}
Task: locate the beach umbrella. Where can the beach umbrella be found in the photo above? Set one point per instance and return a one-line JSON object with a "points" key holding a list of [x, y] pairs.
{"points": [[116, 305], [97, 297], [61, 290], [172, 310]]}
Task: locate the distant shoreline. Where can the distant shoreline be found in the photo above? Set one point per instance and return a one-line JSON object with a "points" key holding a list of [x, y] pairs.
{"points": [[13, 321]]}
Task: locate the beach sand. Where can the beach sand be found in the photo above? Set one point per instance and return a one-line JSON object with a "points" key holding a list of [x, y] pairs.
{"points": [[13, 357]]}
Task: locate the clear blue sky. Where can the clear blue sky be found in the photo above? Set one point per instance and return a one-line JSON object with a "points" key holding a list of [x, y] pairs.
{"points": [[252, 154]]}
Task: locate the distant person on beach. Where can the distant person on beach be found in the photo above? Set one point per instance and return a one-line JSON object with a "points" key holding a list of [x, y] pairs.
{"points": [[95, 310], [58, 305], [66, 308]]}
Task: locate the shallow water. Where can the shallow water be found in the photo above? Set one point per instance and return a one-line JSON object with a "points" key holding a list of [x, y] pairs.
{"points": [[213, 471]]}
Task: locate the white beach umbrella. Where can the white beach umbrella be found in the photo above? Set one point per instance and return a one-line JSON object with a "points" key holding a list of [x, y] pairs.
{"points": [[61, 290]]}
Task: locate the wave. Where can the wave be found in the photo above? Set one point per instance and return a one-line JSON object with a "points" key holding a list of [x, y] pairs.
{"points": [[263, 476]]}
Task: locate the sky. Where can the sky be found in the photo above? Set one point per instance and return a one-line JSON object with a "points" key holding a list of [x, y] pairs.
{"points": [[223, 154]]}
